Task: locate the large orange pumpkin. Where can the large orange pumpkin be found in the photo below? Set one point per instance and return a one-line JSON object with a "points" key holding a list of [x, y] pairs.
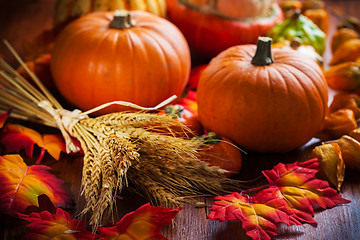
{"points": [[143, 59], [263, 103], [212, 26]]}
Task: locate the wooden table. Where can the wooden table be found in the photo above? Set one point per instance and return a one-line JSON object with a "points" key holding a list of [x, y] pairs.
{"points": [[338, 223]]}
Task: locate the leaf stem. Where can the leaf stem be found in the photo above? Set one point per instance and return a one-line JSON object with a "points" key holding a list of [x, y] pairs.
{"points": [[255, 189]]}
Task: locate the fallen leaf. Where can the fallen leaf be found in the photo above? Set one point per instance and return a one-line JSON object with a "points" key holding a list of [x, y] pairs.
{"points": [[45, 225], [16, 137], [144, 223], [332, 166], [290, 197], [259, 214], [20, 185], [301, 189]]}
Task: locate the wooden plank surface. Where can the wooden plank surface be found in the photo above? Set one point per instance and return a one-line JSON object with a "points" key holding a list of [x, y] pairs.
{"points": [[339, 223]]}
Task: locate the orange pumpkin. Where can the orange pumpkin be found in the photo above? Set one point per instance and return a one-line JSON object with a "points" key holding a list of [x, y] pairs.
{"points": [[66, 11], [221, 152], [212, 26], [265, 103], [99, 58]]}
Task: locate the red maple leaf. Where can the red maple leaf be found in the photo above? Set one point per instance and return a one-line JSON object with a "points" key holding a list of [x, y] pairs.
{"points": [[16, 137], [292, 193], [259, 214], [20, 185], [45, 225], [301, 189], [144, 223]]}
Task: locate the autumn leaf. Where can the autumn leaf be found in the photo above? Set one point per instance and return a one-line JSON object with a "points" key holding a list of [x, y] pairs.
{"points": [[16, 137], [301, 189], [20, 185], [144, 223], [45, 225], [259, 214], [332, 166], [290, 198]]}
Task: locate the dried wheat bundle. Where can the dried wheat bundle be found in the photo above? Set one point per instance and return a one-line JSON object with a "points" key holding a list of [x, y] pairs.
{"points": [[118, 147]]}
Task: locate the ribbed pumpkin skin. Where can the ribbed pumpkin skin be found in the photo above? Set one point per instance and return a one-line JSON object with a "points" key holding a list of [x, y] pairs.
{"points": [[67, 10], [273, 109], [145, 64], [209, 34]]}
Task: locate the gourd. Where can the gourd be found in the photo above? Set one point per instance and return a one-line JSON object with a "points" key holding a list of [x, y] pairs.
{"points": [[133, 56], [265, 100], [212, 26], [65, 11], [301, 27], [340, 36], [344, 76]]}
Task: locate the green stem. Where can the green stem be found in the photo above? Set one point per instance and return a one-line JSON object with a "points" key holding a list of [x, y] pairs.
{"points": [[263, 54], [122, 19]]}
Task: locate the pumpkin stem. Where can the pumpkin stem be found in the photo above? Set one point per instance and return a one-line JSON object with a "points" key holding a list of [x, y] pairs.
{"points": [[296, 14], [263, 52], [122, 19]]}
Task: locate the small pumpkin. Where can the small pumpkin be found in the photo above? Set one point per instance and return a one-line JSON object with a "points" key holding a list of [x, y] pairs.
{"points": [[221, 152], [265, 100], [187, 118], [66, 11], [135, 56], [212, 26]]}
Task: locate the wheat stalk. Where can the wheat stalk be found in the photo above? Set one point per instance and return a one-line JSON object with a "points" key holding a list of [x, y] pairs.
{"points": [[118, 148]]}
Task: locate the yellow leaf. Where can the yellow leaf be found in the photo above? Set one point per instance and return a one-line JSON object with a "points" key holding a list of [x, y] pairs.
{"points": [[332, 166]]}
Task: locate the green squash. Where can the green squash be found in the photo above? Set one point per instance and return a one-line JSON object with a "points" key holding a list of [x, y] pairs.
{"points": [[300, 27]]}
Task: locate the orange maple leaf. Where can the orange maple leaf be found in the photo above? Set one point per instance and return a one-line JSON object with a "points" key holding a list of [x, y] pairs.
{"points": [[45, 225], [16, 137], [20, 185], [144, 223], [290, 197]]}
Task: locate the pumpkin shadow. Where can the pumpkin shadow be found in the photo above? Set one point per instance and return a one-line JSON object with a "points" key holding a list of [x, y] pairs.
{"points": [[254, 163]]}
